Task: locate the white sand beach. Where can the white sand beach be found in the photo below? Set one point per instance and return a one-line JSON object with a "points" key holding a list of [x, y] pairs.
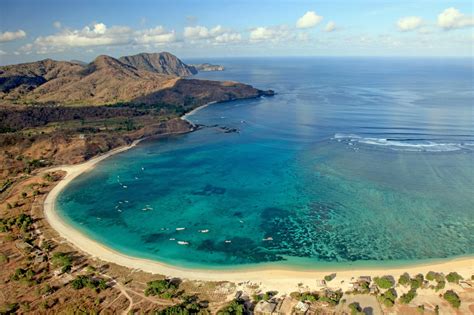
{"points": [[283, 280]]}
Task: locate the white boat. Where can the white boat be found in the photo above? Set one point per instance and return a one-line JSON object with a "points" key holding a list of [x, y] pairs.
{"points": [[268, 239], [172, 239], [183, 243], [227, 241], [203, 231], [180, 229]]}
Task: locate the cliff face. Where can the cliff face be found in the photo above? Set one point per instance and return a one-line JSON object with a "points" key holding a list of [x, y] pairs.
{"points": [[164, 63]]}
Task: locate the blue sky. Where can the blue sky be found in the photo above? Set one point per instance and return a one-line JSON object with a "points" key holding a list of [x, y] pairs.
{"points": [[32, 30]]}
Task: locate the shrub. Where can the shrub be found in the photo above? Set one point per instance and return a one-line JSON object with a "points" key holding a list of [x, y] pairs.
{"points": [[308, 296], [408, 297], [355, 308], [404, 279], [331, 297], [440, 285], [235, 307], [430, 276], [161, 288], [330, 277], [62, 260], [417, 282], [385, 282], [453, 277], [388, 297], [3, 258], [452, 298]]}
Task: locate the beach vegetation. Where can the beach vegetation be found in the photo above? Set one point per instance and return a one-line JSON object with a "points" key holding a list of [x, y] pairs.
{"points": [[331, 297], [408, 297], [388, 297], [236, 307], [62, 260], [330, 277], [453, 277], [440, 285], [385, 282], [165, 288], [432, 276], [404, 279], [23, 275], [82, 281], [355, 308], [452, 298], [189, 305], [308, 297], [9, 308], [22, 222], [417, 281], [421, 308]]}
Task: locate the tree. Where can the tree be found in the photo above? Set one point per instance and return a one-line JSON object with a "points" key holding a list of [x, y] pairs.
{"points": [[452, 298], [62, 260], [408, 297], [355, 309], [385, 282], [388, 297], [404, 279], [161, 288], [454, 277]]}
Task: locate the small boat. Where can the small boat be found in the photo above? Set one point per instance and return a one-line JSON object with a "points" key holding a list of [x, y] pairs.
{"points": [[143, 168], [124, 186], [172, 239], [241, 221], [119, 210], [268, 239], [203, 231], [180, 229], [227, 241], [183, 243], [126, 201]]}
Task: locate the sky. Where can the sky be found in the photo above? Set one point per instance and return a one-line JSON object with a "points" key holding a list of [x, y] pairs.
{"points": [[81, 30]]}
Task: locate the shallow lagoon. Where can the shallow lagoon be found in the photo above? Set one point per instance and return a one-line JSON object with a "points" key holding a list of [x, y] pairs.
{"points": [[354, 161]]}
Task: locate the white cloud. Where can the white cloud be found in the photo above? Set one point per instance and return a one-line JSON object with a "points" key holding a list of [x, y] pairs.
{"points": [[157, 35], [330, 27], [271, 33], [308, 20], [215, 35], [57, 24], [452, 18], [202, 32], [99, 34], [2, 53], [409, 23], [9, 36]]}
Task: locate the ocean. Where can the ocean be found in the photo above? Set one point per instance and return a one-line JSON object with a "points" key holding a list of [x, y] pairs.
{"points": [[355, 161]]}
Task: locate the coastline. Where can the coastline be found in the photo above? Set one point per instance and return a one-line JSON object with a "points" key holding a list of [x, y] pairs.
{"points": [[284, 279], [185, 116]]}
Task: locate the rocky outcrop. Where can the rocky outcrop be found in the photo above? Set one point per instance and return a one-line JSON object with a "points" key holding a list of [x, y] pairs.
{"points": [[205, 67], [164, 63]]}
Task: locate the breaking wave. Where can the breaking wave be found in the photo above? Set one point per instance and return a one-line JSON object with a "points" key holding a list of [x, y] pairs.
{"points": [[405, 144]]}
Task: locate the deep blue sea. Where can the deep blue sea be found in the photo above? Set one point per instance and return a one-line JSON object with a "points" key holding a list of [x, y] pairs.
{"points": [[354, 161]]}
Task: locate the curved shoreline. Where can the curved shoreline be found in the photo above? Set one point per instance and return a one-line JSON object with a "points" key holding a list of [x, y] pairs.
{"points": [[284, 280]]}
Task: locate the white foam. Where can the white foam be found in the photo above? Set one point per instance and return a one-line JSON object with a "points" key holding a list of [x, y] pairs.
{"points": [[426, 146]]}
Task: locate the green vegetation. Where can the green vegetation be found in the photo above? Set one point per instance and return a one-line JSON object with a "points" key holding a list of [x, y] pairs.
{"points": [[431, 276], [454, 277], [5, 185], [23, 222], [417, 282], [62, 260], [404, 279], [440, 285], [421, 308], [331, 297], [190, 305], [9, 308], [236, 307], [355, 309], [408, 297], [330, 277], [3, 258], [263, 297], [23, 275], [385, 282], [162, 288], [452, 298], [88, 282], [308, 297], [388, 297]]}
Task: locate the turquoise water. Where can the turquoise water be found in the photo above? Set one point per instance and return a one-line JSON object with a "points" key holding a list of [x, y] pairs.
{"points": [[355, 161]]}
